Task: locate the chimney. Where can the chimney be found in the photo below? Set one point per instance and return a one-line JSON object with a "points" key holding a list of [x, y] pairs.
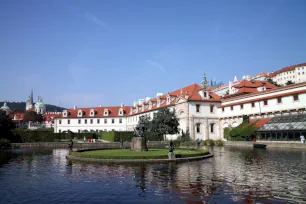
{"points": [[74, 107], [135, 103], [159, 94], [121, 105], [140, 101]]}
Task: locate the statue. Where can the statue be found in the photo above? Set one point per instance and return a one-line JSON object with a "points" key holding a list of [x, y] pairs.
{"points": [[70, 145], [139, 143], [171, 146], [139, 130]]}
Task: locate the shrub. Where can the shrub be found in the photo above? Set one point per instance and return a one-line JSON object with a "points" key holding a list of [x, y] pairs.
{"points": [[209, 142], [219, 143], [108, 136], [5, 144]]}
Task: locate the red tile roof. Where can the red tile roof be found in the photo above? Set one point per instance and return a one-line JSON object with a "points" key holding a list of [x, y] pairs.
{"points": [[113, 111], [286, 69], [17, 116], [260, 122]]}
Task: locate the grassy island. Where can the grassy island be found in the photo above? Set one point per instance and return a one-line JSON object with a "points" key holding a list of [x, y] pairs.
{"points": [[128, 154]]}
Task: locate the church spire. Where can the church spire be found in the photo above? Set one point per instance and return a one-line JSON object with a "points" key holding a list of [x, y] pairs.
{"points": [[31, 96], [204, 82]]}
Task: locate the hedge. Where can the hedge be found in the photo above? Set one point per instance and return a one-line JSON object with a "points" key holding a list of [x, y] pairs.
{"points": [[116, 136], [22, 136]]}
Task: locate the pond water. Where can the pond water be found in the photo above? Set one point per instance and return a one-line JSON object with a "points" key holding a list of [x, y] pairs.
{"points": [[234, 175]]}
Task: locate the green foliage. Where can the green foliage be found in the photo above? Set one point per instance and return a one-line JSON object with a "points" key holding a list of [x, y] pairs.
{"points": [[242, 132], [289, 82], [32, 116], [6, 125], [165, 122], [209, 142], [272, 82], [116, 136], [5, 144], [219, 143], [22, 136]]}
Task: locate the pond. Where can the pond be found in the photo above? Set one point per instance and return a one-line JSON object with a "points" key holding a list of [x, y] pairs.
{"points": [[233, 175]]}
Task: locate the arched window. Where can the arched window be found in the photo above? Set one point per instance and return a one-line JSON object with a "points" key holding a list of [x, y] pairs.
{"points": [[92, 112], [198, 127], [105, 112], [65, 113], [80, 113], [212, 127], [120, 111], [168, 100]]}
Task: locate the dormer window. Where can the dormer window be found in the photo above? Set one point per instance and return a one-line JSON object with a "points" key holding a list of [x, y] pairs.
{"points": [[105, 112], [80, 113], [120, 111], [150, 105], [168, 100], [92, 112], [158, 102], [65, 113]]}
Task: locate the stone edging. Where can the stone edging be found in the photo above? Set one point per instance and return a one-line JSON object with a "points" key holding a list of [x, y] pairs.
{"points": [[120, 161]]}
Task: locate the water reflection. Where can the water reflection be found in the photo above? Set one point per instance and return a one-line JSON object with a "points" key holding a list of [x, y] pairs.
{"points": [[242, 175]]}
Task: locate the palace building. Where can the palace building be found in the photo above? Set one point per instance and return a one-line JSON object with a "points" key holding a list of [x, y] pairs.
{"points": [[204, 111]]}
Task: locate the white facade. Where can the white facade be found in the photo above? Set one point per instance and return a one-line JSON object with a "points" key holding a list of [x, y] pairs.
{"points": [[275, 102], [296, 74]]}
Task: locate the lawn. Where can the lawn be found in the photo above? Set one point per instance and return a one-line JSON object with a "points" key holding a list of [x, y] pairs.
{"points": [[128, 154]]}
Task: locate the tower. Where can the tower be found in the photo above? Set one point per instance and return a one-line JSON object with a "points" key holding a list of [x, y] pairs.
{"points": [[29, 103], [204, 82]]}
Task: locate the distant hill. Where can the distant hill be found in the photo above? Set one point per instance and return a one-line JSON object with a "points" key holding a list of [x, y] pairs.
{"points": [[20, 107]]}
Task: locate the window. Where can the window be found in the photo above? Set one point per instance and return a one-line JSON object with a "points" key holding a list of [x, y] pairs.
{"points": [[198, 127], [120, 120], [85, 121], [253, 105], [59, 131], [232, 107], [211, 108], [265, 102], [279, 99], [168, 100], [295, 97], [205, 94], [222, 109], [79, 131], [105, 121], [79, 113], [212, 128], [59, 121], [113, 120], [198, 108], [68, 122], [98, 121], [91, 120], [79, 121], [241, 106]]}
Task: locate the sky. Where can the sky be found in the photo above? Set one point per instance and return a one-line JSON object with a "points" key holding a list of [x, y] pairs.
{"points": [[90, 53]]}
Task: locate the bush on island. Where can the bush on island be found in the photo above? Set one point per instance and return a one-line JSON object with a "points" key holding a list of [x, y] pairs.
{"points": [[5, 144]]}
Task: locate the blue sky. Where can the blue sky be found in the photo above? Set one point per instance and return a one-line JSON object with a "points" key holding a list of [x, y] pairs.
{"points": [[88, 53]]}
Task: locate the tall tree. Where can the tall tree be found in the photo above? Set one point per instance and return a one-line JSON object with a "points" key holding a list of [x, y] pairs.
{"points": [[289, 82], [32, 116], [6, 125], [165, 122]]}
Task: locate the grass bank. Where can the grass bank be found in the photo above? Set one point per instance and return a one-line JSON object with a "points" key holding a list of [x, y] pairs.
{"points": [[128, 154]]}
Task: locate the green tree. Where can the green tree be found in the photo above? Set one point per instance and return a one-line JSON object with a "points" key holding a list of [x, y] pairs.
{"points": [[273, 82], [289, 82], [32, 116], [165, 122], [6, 125]]}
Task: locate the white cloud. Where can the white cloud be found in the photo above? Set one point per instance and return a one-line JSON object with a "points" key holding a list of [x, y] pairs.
{"points": [[155, 65], [96, 20]]}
